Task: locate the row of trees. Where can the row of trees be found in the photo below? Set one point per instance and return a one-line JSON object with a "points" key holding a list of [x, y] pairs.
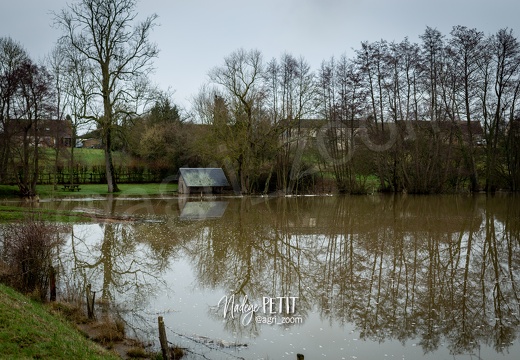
{"points": [[428, 117], [409, 114]]}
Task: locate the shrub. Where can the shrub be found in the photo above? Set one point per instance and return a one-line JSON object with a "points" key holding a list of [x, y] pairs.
{"points": [[27, 254]]}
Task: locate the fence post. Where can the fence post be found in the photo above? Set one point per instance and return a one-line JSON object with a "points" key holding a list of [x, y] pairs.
{"points": [[163, 339], [90, 302], [52, 284]]}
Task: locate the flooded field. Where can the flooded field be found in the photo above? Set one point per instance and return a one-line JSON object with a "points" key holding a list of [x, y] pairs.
{"points": [[369, 277]]}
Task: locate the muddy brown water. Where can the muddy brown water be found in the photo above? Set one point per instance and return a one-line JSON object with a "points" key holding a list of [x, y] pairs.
{"points": [[366, 277]]}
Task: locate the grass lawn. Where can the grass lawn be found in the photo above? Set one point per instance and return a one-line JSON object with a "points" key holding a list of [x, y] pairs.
{"points": [[90, 156], [85, 156], [29, 331], [46, 191]]}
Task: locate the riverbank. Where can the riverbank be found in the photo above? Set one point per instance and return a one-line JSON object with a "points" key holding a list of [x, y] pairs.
{"points": [[29, 330]]}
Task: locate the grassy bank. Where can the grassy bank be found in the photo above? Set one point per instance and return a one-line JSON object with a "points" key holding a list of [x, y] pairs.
{"points": [[29, 331]]}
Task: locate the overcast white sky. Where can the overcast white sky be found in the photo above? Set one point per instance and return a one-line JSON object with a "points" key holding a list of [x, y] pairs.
{"points": [[196, 35]]}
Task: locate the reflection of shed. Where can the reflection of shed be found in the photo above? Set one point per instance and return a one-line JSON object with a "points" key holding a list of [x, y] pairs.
{"points": [[201, 180], [201, 210]]}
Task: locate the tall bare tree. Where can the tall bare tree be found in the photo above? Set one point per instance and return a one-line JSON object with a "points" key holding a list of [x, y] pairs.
{"points": [[505, 50], [466, 45], [107, 36], [289, 84], [241, 78]]}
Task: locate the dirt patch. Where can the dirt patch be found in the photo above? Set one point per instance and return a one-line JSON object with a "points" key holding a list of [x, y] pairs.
{"points": [[108, 335], [107, 332]]}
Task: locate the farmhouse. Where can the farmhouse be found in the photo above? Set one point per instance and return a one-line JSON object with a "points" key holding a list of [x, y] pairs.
{"points": [[48, 132], [202, 180]]}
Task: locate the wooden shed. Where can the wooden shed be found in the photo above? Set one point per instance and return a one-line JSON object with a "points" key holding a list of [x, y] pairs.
{"points": [[202, 180]]}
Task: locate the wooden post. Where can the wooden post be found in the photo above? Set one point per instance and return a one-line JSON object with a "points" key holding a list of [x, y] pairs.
{"points": [[52, 281], [299, 356], [163, 339], [90, 302]]}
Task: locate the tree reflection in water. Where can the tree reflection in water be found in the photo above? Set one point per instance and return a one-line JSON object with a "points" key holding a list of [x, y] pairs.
{"points": [[441, 269], [122, 262]]}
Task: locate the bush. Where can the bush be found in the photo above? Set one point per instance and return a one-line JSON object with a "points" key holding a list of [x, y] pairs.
{"points": [[27, 254]]}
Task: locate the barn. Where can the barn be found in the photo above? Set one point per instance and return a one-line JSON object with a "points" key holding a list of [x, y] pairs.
{"points": [[202, 180]]}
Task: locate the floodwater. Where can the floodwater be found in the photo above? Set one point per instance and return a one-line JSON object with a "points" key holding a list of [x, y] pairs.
{"points": [[354, 277]]}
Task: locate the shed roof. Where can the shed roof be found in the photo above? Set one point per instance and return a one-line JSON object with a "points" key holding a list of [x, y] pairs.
{"points": [[204, 177]]}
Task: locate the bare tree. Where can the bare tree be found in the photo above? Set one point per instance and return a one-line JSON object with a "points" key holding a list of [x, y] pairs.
{"points": [[241, 78], [433, 45], [78, 89], [290, 87], [505, 50], [106, 35], [466, 45], [56, 62]]}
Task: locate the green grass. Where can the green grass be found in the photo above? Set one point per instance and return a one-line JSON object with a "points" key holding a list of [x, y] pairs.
{"points": [[20, 213], [8, 191], [46, 191], [85, 156], [29, 331], [102, 189], [91, 156], [96, 157]]}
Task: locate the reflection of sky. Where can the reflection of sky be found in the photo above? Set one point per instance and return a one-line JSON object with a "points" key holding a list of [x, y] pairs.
{"points": [[185, 311], [185, 304]]}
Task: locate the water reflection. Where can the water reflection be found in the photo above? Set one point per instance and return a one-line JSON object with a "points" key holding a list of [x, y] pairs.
{"points": [[398, 268], [442, 270], [122, 262], [202, 210]]}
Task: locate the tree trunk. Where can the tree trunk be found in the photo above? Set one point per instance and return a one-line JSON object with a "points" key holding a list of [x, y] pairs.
{"points": [[109, 165]]}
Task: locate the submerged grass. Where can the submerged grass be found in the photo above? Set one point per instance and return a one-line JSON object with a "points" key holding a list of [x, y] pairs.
{"points": [[18, 211], [29, 331]]}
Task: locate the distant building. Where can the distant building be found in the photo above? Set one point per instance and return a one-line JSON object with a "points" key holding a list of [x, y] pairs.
{"points": [[91, 143], [91, 140], [343, 130], [202, 180], [50, 133]]}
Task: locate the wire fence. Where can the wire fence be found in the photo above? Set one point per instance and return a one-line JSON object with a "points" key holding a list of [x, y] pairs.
{"points": [[211, 345]]}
